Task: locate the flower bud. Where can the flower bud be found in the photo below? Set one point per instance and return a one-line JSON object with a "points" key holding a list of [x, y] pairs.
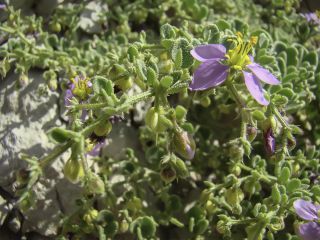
{"points": [[124, 226], [205, 102], [233, 196], [23, 80], [184, 144], [251, 133], [90, 216], [269, 141], [166, 81], [103, 129], [73, 170], [124, 83], [168, 174]]}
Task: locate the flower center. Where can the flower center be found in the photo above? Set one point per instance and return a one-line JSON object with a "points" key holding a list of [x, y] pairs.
{"points": [[81, 87], [238, 56]]}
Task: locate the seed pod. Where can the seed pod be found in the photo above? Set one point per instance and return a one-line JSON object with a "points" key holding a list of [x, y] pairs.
{"points": [[152, 118], [168, 174], [73, 170], [181, 112], [251, 133], [103, 129]]}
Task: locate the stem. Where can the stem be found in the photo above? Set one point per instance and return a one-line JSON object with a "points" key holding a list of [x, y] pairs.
{"points": [[280, 118], [236, 95], [54, 154]]}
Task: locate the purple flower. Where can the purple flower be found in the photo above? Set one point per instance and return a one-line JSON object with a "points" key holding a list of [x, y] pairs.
{"points": [[309, 212], [312, 17], [80, 88], [2, 6], [269, 141], [95, 144], [216, 62]]}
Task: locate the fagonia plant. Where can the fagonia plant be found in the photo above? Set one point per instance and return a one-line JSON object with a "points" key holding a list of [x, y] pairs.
{"points": [[229, 138]]}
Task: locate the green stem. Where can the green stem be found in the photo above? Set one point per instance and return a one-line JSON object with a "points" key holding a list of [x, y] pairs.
{"points": [[236, 95], [279, 117], [56, 152]]}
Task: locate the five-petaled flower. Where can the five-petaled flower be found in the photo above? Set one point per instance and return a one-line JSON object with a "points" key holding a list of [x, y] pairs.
{"points": [[309, 212], [216, 64]]}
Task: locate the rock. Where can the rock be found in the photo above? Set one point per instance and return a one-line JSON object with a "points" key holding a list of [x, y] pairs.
{"points": [[26, 114]]}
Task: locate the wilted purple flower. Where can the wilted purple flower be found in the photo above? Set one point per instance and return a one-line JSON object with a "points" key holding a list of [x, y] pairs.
{"points": [[95, 151], [216, 62], [309, 212], [269, 141]]}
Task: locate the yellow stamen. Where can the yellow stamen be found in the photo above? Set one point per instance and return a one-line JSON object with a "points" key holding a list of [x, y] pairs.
{"points": [[238, 56], [82, 87]]}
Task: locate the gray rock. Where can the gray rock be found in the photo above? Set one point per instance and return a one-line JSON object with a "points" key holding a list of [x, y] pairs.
{"points": [[26, 114]]}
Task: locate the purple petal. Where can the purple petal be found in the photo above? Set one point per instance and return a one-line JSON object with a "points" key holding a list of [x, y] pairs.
{"points": [[207, 52], [269, 141], [306, 210], [96, 149], [68, 97], [310, 231], [209, 74], [2, 6], [263, 74], [254, 88]]}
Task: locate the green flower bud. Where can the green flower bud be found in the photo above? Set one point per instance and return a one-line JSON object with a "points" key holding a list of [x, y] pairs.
{"points": [[168, 174], [183, 144], [73, 170], [124, 83], [152, 118], [55, 26], [233, 196], [181, 112], [103, 129], [90, 216], [166, 82], [205, 101], [23, 80], [124, 226]]}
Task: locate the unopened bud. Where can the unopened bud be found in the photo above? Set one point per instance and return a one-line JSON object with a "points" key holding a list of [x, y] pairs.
{"points": [[269, 141], [90, 216], [184, 144], [152, 118], [94, 184]]}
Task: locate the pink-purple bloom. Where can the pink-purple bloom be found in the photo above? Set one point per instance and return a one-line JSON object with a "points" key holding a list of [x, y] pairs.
{"points": [[309, 212], [214, 69]]}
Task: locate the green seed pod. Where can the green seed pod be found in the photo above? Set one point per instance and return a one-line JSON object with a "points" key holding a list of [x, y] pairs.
{"points": [[55, 26], [205, 101], [103, 129], [124, 83], [181, 112], [152, 118], [166, 82], [163, 123], [73, 170], [168, 174], [124, 226]]}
